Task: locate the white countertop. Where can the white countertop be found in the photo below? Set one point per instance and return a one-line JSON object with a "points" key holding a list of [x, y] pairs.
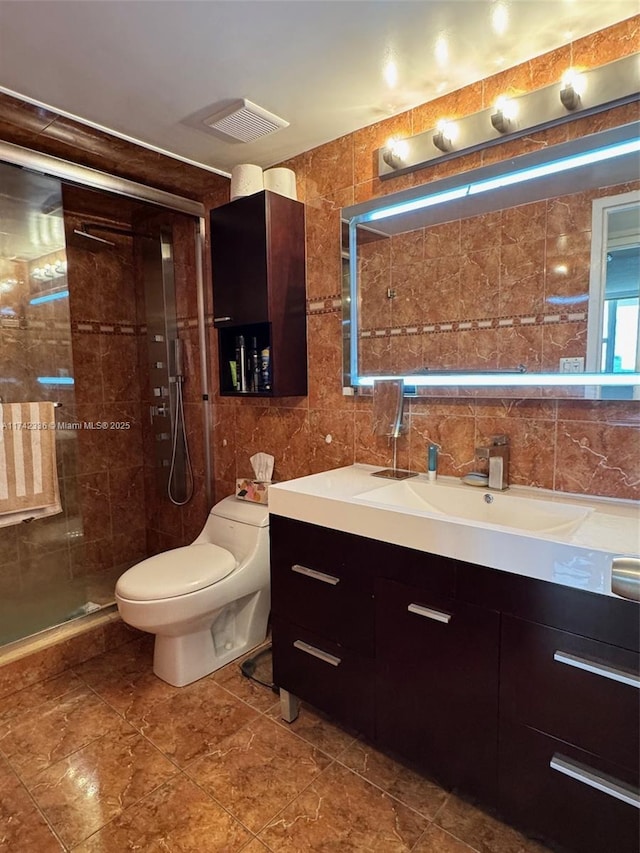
{"points": [[580, 559]]}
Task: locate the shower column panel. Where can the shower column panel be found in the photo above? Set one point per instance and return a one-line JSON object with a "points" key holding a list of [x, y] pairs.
{"points": [[162, 330]]}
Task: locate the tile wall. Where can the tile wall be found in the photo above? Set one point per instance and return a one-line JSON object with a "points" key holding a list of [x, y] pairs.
{"points": [[585, 447]]}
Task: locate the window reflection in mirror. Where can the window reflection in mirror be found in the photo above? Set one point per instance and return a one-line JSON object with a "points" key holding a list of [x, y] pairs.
{"points": [[615, 286]]}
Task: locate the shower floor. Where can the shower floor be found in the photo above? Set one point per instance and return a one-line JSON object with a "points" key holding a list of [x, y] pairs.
{"points": [[26, 614]]}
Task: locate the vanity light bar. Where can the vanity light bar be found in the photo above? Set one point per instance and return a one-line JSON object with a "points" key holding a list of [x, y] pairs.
{"points": [[586, 93], [484, 380], [555, 167]]}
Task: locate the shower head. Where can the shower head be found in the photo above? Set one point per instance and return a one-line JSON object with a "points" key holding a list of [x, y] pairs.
{"points": [[86, 234]]}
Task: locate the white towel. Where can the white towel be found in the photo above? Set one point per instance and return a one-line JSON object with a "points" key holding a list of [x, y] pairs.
{"points": [[28, 474]]}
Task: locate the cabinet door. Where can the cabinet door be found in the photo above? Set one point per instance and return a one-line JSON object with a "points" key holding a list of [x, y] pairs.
{"points": [[239, 261], [437, 685]]}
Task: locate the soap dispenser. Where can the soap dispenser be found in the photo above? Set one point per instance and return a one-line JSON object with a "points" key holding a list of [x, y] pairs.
{"points": [[432, 462]]}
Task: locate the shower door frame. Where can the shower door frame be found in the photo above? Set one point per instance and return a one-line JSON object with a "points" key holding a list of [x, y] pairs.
{"points": [[17, 155]]}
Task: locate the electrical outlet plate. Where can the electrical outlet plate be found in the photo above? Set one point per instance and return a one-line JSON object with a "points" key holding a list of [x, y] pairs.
{"points": [[572, 365]]}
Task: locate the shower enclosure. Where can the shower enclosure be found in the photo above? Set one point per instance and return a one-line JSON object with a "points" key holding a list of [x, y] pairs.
{"points": [[90, 319]]}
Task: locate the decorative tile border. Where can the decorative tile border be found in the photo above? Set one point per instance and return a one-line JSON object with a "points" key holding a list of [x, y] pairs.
{"points": [[324, 304], [476, 325], [92, 327]]}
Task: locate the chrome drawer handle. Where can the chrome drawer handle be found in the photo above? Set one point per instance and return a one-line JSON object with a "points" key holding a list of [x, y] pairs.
{"points": [[312, 573], [436, 615], [317, 653], [607, 784], [221, 319], [622, 675]]}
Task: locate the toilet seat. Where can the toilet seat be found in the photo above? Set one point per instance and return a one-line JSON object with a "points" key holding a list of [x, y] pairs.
{"points": [[176, 572]]}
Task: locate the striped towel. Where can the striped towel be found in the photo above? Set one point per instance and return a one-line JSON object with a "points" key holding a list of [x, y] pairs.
{"points": [[28, 475]]}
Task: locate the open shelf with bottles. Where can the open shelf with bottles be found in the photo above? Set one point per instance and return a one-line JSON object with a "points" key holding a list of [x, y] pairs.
{"points": [[256, 341]]}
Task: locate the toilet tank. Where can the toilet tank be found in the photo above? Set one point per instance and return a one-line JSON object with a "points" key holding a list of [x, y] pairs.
{"points": [[241, 527]]}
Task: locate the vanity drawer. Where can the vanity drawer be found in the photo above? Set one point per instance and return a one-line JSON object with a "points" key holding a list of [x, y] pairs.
{"points": [[580, 690], [322, 580], [336, 681], [583, 802]]}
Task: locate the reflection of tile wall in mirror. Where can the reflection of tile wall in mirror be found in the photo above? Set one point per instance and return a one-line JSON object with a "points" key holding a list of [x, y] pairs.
{"points": [[489, 292]]}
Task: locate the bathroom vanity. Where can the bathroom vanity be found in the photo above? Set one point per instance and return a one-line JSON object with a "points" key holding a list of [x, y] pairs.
{"points": [[492, 656]]}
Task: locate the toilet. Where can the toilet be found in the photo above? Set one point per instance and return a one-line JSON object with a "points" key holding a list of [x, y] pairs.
{"points": [[208, 602]]}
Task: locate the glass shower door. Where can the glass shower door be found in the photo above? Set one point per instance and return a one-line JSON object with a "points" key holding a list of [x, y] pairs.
{"points": [[37, 588]]}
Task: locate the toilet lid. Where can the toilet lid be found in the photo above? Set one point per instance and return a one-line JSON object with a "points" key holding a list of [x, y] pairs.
{"points": [[176, 572]]}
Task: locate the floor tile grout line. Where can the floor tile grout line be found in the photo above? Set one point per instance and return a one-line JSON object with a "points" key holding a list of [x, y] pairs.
{"points": [[123, 810], [95, 740], [292, 800], [393, 796], [40, 811], [218, 803]]}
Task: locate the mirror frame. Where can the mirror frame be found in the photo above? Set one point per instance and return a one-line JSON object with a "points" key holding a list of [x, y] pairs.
{"points": [[600, 159]]}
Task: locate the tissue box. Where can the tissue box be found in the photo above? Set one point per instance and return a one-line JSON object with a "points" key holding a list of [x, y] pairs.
{"points": [[256, 491]]}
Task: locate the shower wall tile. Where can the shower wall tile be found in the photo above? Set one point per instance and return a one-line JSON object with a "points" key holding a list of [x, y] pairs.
{"points": [[93, 494], [91, 557], [127, 510], [124, 441], [194, 515], [94, 452], [119, 366], [129, 546]]}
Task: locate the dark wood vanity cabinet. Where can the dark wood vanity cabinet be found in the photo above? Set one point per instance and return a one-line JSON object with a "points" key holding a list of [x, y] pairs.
{"points": [[519, 692], [258, 265], [569, 737]]}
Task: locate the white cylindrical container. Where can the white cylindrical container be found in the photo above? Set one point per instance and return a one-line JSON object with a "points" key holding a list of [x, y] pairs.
{"points": [[246, 179], [281, 181]]}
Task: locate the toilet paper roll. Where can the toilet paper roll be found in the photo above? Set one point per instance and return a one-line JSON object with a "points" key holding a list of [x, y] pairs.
{"points": [[246, 179], [281, 181]]}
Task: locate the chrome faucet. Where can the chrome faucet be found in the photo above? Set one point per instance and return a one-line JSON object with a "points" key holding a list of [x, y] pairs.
{"points": [[497, 452]]}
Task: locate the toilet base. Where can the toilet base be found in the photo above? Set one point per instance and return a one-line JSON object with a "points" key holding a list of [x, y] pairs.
{"points": [[236, 629]]}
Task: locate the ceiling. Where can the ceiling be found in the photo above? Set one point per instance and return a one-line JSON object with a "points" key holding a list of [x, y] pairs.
{"points": [[152, 70]]}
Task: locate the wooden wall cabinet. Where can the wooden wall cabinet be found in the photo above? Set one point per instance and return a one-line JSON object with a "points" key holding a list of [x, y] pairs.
{"points": [[258, 264], [519, 692]]}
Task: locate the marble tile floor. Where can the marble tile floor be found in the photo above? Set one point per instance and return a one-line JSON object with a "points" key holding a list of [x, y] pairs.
{"points": [[106, 758]]}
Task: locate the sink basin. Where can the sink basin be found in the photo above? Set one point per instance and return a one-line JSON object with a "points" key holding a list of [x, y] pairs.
{"points": [[479, 505]]}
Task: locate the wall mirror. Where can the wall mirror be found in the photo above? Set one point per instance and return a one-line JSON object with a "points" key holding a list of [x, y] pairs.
{"points": [[517, 278]]}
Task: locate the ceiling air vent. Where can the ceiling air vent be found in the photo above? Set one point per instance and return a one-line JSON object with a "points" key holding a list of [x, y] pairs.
{"points": [[243, 121]]}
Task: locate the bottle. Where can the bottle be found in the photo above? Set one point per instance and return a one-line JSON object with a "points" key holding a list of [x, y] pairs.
{"points": [[241, 364], [265, 369], [254, 366], [432, 465]]}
